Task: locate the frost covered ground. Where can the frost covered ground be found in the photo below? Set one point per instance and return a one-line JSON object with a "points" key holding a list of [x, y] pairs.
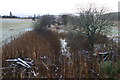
{"points": [[13, 27]]}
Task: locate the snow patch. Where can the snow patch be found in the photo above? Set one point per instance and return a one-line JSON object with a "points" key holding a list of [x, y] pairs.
{"points": [[64, 48], [28, 29]]}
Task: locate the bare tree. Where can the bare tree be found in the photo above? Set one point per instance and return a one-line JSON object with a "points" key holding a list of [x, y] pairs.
{"points": [[64, 19], [92, 21], [44, 21]]}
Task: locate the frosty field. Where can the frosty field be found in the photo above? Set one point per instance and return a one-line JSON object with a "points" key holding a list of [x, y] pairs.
{"points": [[13, 27]]}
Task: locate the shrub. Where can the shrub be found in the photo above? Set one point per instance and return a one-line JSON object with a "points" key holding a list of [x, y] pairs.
{"points": [[108, 70], [118, 66], [44, 21], [76, 41]]}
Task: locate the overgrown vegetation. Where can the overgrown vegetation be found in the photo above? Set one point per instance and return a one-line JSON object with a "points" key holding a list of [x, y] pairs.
{"points": [[110, 69], [44, 21], [92, 53], [34, 46]]}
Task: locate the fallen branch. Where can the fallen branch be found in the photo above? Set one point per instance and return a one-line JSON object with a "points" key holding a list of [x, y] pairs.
{"points": [[94, 72], [105, 58], [45, 65], [7, 67]]}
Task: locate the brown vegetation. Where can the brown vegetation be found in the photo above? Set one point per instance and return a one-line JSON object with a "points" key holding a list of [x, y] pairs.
{"points": [[34, 46]]}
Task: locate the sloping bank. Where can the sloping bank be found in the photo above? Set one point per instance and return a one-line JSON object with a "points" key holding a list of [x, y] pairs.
{"points": [[43, 46]]}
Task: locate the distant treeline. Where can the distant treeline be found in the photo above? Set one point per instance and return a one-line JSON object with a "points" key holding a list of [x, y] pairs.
{"points": [[113, 16], [9, 16], [6, 16]]}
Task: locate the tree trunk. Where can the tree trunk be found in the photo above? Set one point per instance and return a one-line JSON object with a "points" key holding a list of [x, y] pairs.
{"points": [[91, 40]]}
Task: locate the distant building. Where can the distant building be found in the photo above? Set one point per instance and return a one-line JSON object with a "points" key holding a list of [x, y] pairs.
{"points": [[10, 14], [33, 18]]}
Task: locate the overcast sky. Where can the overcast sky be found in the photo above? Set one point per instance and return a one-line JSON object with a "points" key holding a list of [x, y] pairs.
{"points": [[30, 7]]}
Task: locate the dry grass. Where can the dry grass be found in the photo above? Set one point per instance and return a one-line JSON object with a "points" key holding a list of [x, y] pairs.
{"points": [[87, 65], [46, 43], [35, 46]]}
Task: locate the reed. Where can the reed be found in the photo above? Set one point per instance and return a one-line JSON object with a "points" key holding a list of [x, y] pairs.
{"points": [[44, 48], [34, 46]]}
